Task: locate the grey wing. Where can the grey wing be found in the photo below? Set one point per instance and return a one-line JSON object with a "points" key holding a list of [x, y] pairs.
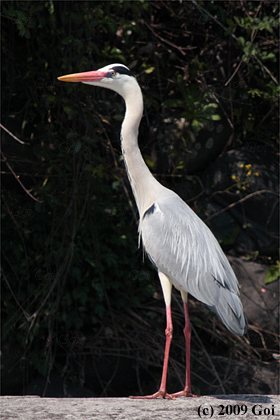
{"points": [[183, 247]]}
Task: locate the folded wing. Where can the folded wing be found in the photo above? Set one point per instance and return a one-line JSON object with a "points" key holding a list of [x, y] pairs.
{"points": [[183, 247]]}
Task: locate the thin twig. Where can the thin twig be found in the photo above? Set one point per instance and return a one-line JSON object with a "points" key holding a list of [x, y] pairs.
{"points": [[12, 135], [14, 296], [238, 202], [17, 178], [266, 69], [235, 71], [168, 42], [266, 115], [212, 17]]}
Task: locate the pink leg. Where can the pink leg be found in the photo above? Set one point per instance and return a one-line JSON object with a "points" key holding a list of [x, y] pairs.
{"points": [[161, 393], [187, 333]]}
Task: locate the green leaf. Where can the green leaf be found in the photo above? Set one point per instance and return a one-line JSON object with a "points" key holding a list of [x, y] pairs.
{"points": [[209, 106], [241, 40], [252, 256], [215, 117], [149, 162], [149, 70], [273, 273], [180, 165], [196, 125]]}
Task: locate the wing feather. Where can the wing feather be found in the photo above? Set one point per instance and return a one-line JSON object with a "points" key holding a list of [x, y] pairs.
{"points": [[183, 248]]}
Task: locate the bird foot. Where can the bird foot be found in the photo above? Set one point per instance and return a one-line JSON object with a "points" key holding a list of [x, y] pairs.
{"points": [[160, 394], [184, 393]]}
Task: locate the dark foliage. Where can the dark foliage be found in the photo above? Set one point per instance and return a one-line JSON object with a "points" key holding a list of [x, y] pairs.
{"points": [[74, 281]]}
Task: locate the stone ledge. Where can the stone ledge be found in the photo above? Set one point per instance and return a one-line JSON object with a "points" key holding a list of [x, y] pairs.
{"points": [[214, 407]]}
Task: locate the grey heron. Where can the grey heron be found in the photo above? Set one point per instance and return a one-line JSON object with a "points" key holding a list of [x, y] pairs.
{"points": [[180, 245]]}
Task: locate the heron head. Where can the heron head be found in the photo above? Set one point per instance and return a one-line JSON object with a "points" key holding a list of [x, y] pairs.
{"points": [[116, 77]]}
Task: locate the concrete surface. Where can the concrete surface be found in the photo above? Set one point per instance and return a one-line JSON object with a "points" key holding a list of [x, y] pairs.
{"points": [[218, 407]]}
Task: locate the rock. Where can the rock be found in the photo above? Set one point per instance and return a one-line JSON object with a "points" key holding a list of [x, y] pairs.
{"points": [[221, 406]]}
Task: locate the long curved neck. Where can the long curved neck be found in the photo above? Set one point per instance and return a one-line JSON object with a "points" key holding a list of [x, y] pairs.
{"points": [[142, 181]]}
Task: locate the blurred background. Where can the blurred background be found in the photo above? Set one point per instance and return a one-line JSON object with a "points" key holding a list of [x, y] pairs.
{"points": [[82, 313]]}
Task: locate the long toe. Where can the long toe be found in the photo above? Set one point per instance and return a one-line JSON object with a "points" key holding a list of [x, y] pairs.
{"points": [[184, 393], [158, 394]]}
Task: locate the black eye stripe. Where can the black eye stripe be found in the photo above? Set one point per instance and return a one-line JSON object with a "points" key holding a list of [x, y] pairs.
{"points": [[122, 70]]}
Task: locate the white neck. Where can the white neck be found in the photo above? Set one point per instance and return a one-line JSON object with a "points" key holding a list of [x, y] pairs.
{"points": [[143, 184]]}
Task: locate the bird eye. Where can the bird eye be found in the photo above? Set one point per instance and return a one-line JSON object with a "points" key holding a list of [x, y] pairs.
{"points": [[113, 73]]}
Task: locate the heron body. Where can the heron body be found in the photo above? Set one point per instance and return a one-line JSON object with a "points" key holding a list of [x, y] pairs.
{"points": [[183, 249]]}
